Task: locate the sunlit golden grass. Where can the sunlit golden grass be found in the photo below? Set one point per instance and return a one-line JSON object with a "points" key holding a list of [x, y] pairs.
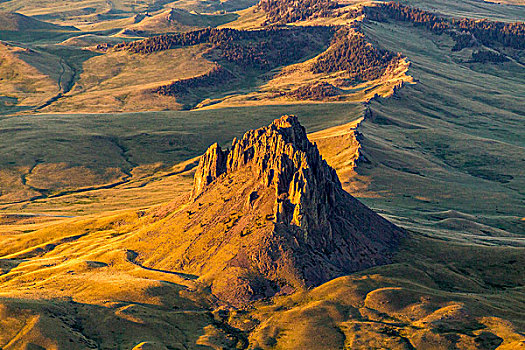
{"points": [[29, 78], [406, 304], [177, 20], [120, 81]]}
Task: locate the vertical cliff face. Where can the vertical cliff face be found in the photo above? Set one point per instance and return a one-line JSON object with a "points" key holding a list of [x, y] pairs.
{"points": [[211, 165], [282, 158], [315, 231]]}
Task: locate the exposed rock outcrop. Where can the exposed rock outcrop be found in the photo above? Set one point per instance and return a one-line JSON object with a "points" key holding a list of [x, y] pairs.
{"points": [[316, 230], [282, 158]]}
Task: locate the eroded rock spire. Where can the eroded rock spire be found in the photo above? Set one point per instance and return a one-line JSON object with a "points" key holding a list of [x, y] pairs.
{"points": [[269, 216]]}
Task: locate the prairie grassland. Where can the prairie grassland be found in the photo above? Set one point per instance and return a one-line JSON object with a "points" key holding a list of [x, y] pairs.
{"points": [[452, 143], [29, 78], [178, 20], [120, 81], [102, 15], [472, 9], [434, 290], [131, 146], [437, 293], [273, 90]]}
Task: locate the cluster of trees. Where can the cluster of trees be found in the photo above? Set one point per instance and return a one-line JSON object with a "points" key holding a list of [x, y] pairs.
{"points": [[351, 53], [398, 12], [218, 75], [487, 32], [258, 49], [103, 47], [319, 92], [463, 40], [171, 41], [288, 11], [485, 56], [282, 47], [490, 32]]}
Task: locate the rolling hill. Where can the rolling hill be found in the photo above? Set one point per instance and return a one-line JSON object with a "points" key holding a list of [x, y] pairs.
{"points": [[178, 20], [29, 77], [13, 21]]}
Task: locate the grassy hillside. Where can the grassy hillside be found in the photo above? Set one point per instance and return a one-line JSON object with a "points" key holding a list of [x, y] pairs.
{"points": [[265, 66], [120, 81], [92, 12], [29, 77], [437, 294], [12, 21], [451, 142], [471, 9], [423, 302], [177, 20]]}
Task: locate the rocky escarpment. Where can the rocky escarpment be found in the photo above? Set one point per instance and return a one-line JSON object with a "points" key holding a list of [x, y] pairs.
{"points": [[315, 231]]}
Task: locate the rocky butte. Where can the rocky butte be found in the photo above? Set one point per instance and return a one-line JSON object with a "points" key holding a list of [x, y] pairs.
{"points": [[286, 221]]}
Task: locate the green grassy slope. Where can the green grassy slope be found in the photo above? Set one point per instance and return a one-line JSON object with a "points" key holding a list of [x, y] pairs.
{"points": [[89, 12], [471, 9], [12, 21], [175, 20], [96, 149], [120, 81], [29, 78], [453, 141]]}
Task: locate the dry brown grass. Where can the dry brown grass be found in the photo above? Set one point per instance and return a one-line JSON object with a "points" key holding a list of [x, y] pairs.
{"points": [[29, 78], [71, 283], [120, 81]]}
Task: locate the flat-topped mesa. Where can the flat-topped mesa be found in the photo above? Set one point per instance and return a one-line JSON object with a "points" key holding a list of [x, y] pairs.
{"points": [[281, 156]]}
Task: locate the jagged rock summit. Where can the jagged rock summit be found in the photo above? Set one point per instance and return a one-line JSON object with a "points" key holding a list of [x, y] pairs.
{"points": [[266, 216], [296, 226], [282, 158]]}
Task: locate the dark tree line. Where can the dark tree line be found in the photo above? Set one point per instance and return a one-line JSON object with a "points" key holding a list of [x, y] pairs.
{"points": [[486, 56], [319, 91], [270, 48], [180, 87], [259, 49], [487, 32], [282, 47], [288, 11], [398, 12], [490, 32], [171, 41], [351, 53], [463, 40]]}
